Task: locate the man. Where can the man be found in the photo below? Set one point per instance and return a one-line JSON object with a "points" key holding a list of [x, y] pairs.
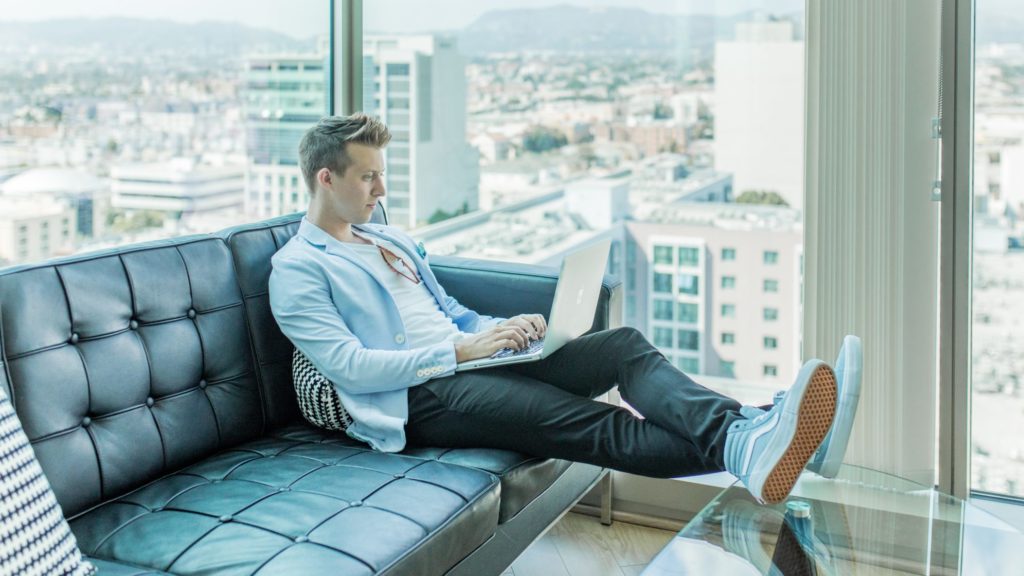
{"points": [[361, 303]]}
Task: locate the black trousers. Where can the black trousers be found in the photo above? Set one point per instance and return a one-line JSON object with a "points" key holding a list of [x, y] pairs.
{"points": [[545, 409]]}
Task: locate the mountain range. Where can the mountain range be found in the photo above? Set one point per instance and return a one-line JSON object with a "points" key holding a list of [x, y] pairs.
{"points": [[557, 28]]}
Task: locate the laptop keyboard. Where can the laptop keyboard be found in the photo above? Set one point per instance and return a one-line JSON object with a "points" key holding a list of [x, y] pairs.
{"points": [[534, 346]]}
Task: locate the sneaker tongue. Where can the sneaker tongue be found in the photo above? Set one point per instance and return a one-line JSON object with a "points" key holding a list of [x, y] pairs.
{"points": [[777, 398], [750, 412]]}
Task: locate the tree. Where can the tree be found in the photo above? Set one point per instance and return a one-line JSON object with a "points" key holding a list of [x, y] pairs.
{"points": [[541, 139], [765, 197]]}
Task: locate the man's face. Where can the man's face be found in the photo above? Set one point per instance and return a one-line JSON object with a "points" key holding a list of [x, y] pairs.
{"points": [[352, 196]]}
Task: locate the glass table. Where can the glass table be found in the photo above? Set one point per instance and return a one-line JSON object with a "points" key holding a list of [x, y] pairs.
{"points": [[861, 522]]}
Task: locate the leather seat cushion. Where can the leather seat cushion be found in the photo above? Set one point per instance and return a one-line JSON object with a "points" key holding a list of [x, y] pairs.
{"points": [[523, 477], [300, 501]]}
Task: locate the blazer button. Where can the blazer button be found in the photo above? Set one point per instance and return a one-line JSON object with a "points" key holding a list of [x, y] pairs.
{"points": [[400, 338]]}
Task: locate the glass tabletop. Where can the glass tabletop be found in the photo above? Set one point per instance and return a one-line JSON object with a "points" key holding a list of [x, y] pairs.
{"points": [[861, 522]]}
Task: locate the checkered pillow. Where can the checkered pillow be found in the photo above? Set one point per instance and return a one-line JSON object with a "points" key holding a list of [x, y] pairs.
{"points": [[318, 400], [34, 537]]}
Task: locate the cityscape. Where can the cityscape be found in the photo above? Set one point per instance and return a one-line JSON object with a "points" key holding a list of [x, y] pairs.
{"points": [[520, 146]]}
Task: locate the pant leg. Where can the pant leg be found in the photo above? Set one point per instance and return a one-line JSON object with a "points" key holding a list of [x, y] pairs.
{"points": [[498, 408], [593, 364]]}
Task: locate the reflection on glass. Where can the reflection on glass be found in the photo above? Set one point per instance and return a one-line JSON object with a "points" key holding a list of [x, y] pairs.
{"points": [[861, 523], [997, 378]]}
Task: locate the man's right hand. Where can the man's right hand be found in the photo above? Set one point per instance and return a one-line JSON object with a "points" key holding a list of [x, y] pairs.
{"points": [[486, 343]]}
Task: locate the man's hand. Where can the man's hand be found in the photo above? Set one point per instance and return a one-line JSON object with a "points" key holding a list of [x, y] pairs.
{"points": [[486, 343], [533, 324]]}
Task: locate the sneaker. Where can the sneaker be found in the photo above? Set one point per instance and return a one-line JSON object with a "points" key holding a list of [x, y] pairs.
{"points": [[829, 456], [767, 450]]}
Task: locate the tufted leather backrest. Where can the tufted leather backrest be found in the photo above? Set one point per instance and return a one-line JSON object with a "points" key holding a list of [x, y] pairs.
{"points": [[128, 364], [252, 246]]}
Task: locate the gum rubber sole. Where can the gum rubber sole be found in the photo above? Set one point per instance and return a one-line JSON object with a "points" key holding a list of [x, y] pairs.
{"points": [[814, 418]]}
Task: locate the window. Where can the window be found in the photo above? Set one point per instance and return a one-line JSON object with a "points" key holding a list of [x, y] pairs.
{"points": [[771, 286], [662, 309], [771, 314], [662, 282], [688, 284], [688, 340], [688, 256], [192, 135], [688, 364], [728, 310], [771, 257], [727, 369], [996, 300], [728, 338], [687, 312], [728, 282], [662, 254], [770, 370], [662, 337], [728, 254], [771, 343]]}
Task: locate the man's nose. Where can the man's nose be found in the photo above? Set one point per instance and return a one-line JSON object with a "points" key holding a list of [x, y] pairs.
{"points": [[378, 187]]}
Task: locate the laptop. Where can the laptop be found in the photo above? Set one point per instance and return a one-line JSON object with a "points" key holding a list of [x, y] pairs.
{"points": [[572, 314]]}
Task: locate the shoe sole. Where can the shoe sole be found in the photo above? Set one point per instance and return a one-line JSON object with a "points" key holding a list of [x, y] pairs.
{"points": [[814, 418]]}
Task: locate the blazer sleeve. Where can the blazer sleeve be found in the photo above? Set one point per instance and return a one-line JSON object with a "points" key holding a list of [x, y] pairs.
{"points": [[301, 302]]}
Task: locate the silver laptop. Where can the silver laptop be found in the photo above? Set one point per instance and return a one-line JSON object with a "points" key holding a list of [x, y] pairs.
{"points": [[572, 314]]}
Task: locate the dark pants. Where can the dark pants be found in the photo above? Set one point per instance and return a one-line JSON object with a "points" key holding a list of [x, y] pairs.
{"points": [[545, 409]]}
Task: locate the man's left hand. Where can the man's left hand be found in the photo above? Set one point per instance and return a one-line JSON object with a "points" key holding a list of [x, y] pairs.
{"points": [[533, 324]]}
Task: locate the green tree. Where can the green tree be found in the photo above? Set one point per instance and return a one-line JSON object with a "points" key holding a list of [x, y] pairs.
{"points": [[541, 139], [765, 197]]}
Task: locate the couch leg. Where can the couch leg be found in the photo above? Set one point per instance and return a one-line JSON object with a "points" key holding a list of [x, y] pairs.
{"points": [[606, 498]]}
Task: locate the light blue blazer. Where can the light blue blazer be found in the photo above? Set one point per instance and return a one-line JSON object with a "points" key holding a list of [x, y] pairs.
{"points": [[335, 310]]}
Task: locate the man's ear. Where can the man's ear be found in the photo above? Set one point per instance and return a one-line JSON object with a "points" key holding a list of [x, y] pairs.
{"points": [[324, 177]]}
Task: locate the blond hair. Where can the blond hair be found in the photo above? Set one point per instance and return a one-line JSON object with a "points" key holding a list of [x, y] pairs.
{"points": [[324, 145]]}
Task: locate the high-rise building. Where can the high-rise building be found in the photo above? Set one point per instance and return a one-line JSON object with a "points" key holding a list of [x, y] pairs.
{"points": [[759, 109], [417, 85], [718, 288], [284, 96]]}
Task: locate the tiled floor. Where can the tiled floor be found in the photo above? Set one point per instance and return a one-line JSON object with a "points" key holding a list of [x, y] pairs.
{"points": [[581, 546]]}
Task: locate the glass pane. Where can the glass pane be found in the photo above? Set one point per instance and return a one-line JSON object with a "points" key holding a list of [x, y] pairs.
{"points": [[997, 375], [662, 254], [122, 122], [665, 126]]}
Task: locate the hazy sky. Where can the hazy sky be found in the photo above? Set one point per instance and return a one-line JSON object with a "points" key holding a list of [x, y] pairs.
{"points": [[303, 18]]}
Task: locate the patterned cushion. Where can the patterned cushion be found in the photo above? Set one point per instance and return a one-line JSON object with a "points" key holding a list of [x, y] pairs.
{"points": [[318, 400], [34, 537]]}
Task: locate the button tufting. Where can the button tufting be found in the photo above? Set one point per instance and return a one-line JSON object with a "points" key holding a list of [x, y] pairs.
{"points": [[86, 421], [301, 539], [356, 503], [150, 402], [157, 509], [191, 313], [202, 384], [74, 338], [284, 489], [399, 476], [226, 518], [134, 325]]}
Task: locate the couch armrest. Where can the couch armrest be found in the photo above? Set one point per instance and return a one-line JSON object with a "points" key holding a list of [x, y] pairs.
{"points": [[505, 289]]}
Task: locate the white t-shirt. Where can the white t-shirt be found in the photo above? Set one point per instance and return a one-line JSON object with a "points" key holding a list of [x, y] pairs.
{"points": [[425, 323]]}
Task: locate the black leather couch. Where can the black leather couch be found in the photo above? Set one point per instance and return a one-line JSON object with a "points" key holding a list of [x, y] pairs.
{"points": [[156, 390]]}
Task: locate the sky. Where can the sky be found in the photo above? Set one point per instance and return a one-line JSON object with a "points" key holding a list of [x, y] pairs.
{"points": [[304, 18]]}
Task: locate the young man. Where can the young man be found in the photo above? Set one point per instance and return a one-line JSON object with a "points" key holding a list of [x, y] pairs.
{"points": [[361, 303]]}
